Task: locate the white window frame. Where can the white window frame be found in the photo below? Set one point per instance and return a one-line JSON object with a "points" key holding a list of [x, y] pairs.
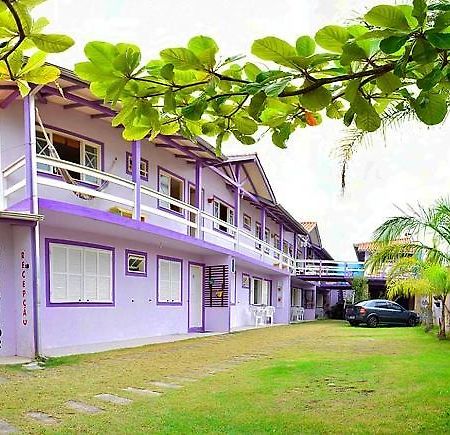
{"points": [[144, 169], [139, 257], [163, 204], [260, 296], [83, 275], [217, 203], [258, 229], [247, 222], [173, 293], [83, 143], [296, 297], [267, 239]]}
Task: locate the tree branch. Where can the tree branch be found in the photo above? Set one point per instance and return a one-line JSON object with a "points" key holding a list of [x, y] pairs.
{"points": [[21, 35], [375, 72]]}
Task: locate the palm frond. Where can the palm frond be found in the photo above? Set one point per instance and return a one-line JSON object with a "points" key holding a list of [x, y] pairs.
{"points": [[356, 139]]}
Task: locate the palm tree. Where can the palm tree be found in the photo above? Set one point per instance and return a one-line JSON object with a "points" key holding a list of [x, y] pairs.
{"points": [[410, 276], [416, 248]]}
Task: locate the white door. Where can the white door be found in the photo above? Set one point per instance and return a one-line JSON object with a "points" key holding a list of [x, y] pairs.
{"points": [[195, 298]]}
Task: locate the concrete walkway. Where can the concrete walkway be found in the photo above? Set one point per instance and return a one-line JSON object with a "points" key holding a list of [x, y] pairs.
{"points": [[123, 344], [12, 360]]}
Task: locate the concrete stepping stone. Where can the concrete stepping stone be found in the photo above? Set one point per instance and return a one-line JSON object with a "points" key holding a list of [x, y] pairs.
{"points": [[180, 380], [111, 398], [83, 407], [42, 417], [166, 385], [6, 428], [32, 366], [142, 391]]}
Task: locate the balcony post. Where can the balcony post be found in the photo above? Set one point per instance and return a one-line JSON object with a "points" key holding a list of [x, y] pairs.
{"points": [[198, 197], [237, 205], [136, 171], [263, 228], [29, 119], [295, 245], [282, 241]]}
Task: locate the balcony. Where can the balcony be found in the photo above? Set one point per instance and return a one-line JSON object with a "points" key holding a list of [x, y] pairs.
{"points": [[118, 195]]}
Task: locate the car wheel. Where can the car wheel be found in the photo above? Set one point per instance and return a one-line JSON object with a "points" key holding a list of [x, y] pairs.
{"points": [[372, 322], [411, 322]]}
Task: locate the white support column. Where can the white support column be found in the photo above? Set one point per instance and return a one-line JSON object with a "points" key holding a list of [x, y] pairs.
{"points": [[29, 114]]}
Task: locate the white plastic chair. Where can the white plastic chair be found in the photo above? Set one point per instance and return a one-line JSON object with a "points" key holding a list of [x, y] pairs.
{"points": [[258, 314], [269, 311], [300, 314]]}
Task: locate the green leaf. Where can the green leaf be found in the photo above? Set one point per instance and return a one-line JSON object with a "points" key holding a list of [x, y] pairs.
{"points": [[169, 128], [273, 117], [205, 48], [388, 83], [39, 25], [351, 90], [43, 75], [36, 60], [305, 46], [90, 72], [423, 52], [316, 100], [348, 117], [181, 58], [131, 132], [127, 61], [245, 124], [242, 138], [102, 54], [430, 80], [442, 21], [431, 108], [251, 71], [439, 40], [24, 87], [335, 110], [170, 104], [387, 16], [281, 135], [52, 43], [420, 11], [367, 118], [392, 44], [256, 105], [274, 49], [332, 38], [194, 111], [167, 72], [351, 52], [276, 88]]}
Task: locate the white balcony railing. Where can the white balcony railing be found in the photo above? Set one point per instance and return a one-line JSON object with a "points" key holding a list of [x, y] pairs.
{"points": [[193, 221], [120, 192]]}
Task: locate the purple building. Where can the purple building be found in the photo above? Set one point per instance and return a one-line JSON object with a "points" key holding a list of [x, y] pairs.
{"points": [[104, 242]]}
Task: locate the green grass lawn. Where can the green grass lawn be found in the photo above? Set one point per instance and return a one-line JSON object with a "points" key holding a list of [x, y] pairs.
{"points": [[321, 377]]}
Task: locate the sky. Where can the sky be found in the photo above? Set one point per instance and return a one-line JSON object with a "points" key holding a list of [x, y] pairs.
{"points": [[407, 166]]}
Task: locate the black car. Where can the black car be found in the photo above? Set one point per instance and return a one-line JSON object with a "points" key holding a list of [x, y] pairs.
{"points": [[380, 311]]}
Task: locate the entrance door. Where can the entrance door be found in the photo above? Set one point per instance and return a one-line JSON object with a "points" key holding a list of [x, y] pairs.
{"points": [[195, 298]]}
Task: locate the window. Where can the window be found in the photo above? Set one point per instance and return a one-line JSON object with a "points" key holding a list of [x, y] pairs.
{"points": [[223, 212], [308, 299], [247, 220], [276, 244], [258, 234], [136, 263], [267, 239], [260, 292], [296, 297], [70, 149], [80, 274], [245, 280], [171, 186], [144, 167], [169, 281], [288, 248]]}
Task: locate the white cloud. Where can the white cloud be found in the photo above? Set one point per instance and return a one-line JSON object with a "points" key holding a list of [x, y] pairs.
{"points": [[410, 166]]}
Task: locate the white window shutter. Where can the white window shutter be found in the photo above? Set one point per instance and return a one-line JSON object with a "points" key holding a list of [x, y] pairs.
{"points": [[175, 281], [164, 281], [58, 273], [104, 282], [164, 187]]}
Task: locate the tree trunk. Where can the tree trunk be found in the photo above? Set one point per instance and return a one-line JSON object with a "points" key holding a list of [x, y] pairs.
{"points": [[442, 333]]}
